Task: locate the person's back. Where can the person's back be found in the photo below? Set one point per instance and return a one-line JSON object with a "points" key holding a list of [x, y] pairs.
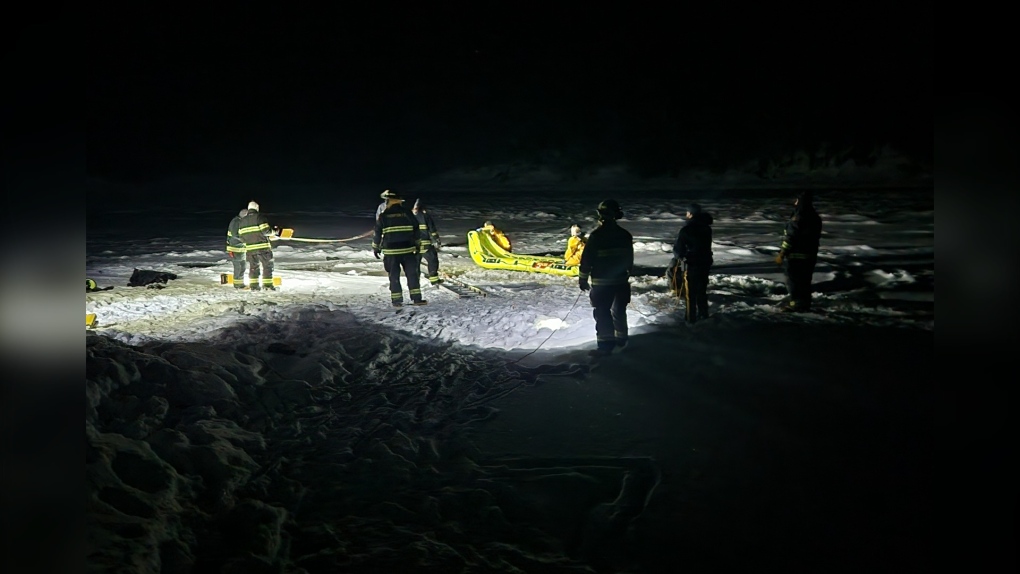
{"points": [[396, 238], [256, 233], [236, 249], [803, 231], [234, 242], [694, 242], [608, 255], [799, 251], [606, 264], [254, 229], [428, 232], [397, 230], [428, 242], [693, 251]]}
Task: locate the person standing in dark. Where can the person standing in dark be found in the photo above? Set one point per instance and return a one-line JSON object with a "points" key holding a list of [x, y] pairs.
{"points": [[256, 233], [606, 265], [385, 195], [396, 238], [428, 241], [692, 251], [798, 252], [235, 248]]}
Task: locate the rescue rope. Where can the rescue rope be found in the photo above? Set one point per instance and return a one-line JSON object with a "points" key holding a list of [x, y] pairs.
{"points": [[309, 240], [563, 320], [521, 380]]}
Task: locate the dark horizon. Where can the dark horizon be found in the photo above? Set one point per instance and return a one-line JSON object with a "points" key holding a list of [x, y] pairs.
{"points": [[401, 96]]}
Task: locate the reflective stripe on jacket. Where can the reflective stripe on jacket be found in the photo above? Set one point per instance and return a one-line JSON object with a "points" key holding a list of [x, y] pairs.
{"points": [[255, 231], [396, 231], [427, 233], [234, 242]]}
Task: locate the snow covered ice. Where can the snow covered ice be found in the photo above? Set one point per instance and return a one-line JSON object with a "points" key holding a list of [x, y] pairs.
{"points": [[315, 429]]}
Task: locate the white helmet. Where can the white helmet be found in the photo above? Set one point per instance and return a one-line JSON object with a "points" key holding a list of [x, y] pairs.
{"points": [[253, 205]]}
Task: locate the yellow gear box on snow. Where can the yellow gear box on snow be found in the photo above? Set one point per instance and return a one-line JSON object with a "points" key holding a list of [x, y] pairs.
{"points": [[228, 279], [90, 320], [286, 233]]}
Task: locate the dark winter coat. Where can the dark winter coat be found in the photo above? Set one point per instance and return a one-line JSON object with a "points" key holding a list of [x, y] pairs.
{"points": [[396, 231], [234, 242], [694, 241], [803, 232], [608, 255], [427, 232], [255, 231]]}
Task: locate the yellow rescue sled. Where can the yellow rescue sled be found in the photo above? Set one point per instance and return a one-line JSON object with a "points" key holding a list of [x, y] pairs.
{"points": [[485, 253]]}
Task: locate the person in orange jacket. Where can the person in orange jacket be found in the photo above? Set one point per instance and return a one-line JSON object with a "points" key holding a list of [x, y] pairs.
{"points": [[575, 246], [501, 239]]}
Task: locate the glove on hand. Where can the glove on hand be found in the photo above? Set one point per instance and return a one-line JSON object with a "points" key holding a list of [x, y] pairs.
{"points": [[779, 258], [583, 284], [376, 253]]}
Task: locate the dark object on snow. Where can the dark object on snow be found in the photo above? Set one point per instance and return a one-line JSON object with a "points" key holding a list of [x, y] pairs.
{"points": [[91, 286], [142, 277]]}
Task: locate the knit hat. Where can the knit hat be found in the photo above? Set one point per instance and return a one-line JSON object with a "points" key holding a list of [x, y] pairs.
{"points": [[694, 209], [243, 212], [253, 205], [417, 204]]}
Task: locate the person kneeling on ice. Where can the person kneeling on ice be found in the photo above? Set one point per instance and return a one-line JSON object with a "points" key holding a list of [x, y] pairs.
{"points": [[607, 261], [575, 246], [498, 236], [396, 237]]}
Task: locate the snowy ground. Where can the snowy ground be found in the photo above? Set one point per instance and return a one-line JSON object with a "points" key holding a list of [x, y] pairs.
{"points": [[315, 429]]}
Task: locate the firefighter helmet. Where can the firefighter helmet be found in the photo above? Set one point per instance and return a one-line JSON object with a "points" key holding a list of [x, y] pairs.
{"points": [[610, 209]]}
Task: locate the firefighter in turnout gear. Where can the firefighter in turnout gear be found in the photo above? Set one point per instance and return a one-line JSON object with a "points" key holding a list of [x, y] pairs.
{"points": [[575, 246], [798, 253], [256, 234], [235, 248], [428, 242], [396, 238], [606, 265], [692, 259]]}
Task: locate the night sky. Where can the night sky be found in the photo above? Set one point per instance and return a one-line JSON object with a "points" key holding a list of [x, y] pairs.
{"points": [[390, 94]]}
